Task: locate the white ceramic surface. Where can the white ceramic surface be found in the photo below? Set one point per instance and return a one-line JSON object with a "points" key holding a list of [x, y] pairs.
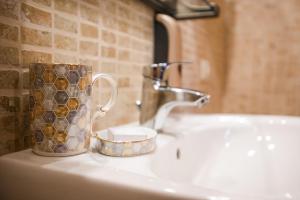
{"points": [[215, 157]]}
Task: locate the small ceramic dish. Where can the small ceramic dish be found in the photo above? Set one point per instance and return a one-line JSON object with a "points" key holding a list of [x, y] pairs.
{"points": [[144, 141]]}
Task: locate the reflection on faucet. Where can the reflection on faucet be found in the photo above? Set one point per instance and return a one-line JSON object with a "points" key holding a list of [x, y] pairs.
{"points": [[158, 99]]}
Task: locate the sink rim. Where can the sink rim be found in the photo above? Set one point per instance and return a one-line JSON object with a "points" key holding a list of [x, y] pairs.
{"points": [[110, 169]]}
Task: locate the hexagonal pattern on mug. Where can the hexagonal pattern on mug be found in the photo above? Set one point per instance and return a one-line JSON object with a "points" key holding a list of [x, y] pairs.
{"points": [[61, 83], [49, 76], [73, 77], [73, 104], [49, 130], [61, 124], [59, 96], [61, 111]]}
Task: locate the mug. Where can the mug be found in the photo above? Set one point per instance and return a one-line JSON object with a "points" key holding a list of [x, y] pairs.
{"points": [[60, 107]]}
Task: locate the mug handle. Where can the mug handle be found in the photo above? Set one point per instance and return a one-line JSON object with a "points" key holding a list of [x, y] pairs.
{"points": [[102, 109]]}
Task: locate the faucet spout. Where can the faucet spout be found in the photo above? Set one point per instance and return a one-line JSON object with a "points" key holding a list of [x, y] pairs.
{"points": [[176, 97], [158, 98]]}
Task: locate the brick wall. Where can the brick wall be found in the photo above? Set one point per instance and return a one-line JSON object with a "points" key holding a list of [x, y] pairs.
{"points": [[203, 43], [114, 36], [247, 59], [263, 63]]}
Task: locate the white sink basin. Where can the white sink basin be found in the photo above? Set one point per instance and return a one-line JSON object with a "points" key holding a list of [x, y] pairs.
{"points": [[215, 157], [249, 156]]}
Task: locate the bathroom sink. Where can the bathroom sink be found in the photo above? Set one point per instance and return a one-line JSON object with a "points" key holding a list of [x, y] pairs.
{"points": [[255, 157], [206, 157]]}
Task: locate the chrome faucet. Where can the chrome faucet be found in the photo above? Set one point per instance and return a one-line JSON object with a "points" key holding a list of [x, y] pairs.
{"points": [[158, 98]]}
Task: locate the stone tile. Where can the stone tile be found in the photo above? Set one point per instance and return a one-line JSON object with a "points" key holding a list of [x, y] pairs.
{"points": [[89, 14], [109, 7], [9, 79], [9, 55], [108, 37], [9, 104], [123, 55], [35, 37], [90, 62], [68, 6], [62, 58], [108, 67], [123, 26], [65, 42], [93, 2], [8, 124], [108, 52], [115, 16], [35, 57], [25, 105], [124, 12], [123, 82], [126, 2], [6, 146], [25, 80], [89, 31], [89, 48], [27, 141], [9, 8], [35, 15], [65, 24], [44, 2], [124, 41], [109, 21], [9, 32]]}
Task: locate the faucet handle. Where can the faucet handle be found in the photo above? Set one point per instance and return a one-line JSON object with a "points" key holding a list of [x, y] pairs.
{"points": [[159, 71]]}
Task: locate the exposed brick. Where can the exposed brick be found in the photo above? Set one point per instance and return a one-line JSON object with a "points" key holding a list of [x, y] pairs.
{"points": [[124, 41], [93, 2], [62, 58], [123, 26], [89, 31], [25, 80], [35, 57], [108, 37], [9, 8], [9, 79], [89, 14], [35, 15], [44, 2], [124, 12], [65, 42], [8, 124], [9, 104], [90, 62], [25, 105], [68, 6], [64, 24], [9, 32], [9, 55], [89, 48], [123, 82], [115, 17], [108, 67], [109, 21], [123, 55], [109, 7], [108, 52], [35, 37]]}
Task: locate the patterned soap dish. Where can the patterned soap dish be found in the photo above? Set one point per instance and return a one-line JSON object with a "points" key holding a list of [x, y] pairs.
{"points": [[142, 141]]}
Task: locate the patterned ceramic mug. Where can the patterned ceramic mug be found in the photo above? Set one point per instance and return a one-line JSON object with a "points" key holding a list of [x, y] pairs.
{"points": [[60, 106]]}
